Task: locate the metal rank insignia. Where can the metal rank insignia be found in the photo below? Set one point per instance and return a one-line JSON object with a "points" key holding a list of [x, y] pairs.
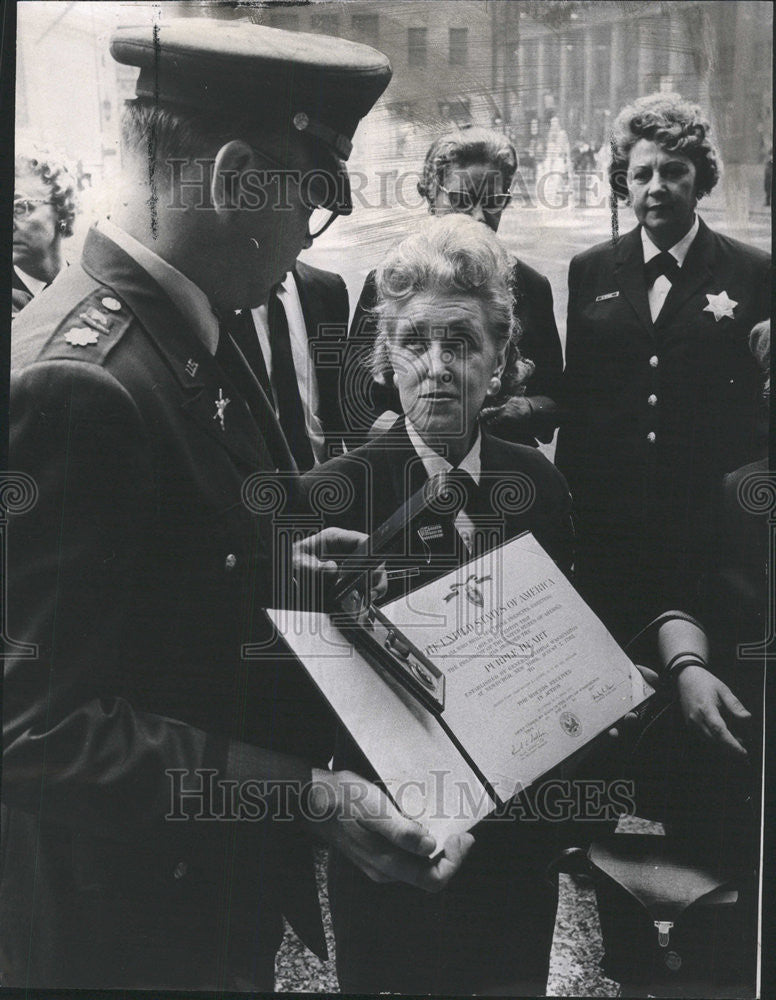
{"points": [[221, 404], [81, 336], [99, 321]]}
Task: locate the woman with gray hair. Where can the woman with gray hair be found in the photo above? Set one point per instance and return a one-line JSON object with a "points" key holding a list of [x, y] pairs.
{"points": [[43, 214], [468, 171], [446, 333]]}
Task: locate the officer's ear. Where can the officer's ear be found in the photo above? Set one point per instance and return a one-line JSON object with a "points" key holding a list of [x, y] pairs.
{"points": [[232, 162]]}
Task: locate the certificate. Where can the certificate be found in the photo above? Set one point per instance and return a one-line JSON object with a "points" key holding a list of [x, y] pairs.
{"points": [[531, 673], [531, 676]]}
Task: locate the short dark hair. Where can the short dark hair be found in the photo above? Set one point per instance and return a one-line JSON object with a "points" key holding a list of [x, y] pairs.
{"points": [[170, 133], [59, 179], [673, 123], [462, 147]]}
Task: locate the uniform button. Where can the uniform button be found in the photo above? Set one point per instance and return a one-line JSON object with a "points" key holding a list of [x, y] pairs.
{"points": [[180, 869], [231, 561], [651, 437], [653, 361], [652, 400]]}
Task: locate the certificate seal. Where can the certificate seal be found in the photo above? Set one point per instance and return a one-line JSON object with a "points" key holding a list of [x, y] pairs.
{"points": [[570, 724]]}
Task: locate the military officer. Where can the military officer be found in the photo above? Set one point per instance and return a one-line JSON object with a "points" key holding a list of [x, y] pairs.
{"points": [[160, 781]]}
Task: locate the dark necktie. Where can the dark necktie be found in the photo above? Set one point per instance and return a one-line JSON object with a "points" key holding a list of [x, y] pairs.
{"points": [[664, 263], [236, 367], [286, 384], [459, 492]]}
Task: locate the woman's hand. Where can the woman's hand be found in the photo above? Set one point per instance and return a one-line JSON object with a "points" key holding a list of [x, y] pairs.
{"points": [[712, 710]]}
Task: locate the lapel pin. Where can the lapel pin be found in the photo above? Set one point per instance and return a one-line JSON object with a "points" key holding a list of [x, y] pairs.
{"points": [[191, 368], [609, 295], [111, 304], [221, 404], [97, 320], [81, 336], [720, 305]]}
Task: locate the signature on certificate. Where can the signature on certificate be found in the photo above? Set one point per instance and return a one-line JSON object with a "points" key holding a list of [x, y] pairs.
{"points": [[599, 693], [531, 741]]}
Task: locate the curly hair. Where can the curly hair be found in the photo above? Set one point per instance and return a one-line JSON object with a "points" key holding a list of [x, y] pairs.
{"points": [[463, 147], [673, 123], [59, 179], [451, 254]]}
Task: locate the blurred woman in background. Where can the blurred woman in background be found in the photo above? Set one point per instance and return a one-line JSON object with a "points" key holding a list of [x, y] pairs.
{"points": [[44, 209], [469, 171]]}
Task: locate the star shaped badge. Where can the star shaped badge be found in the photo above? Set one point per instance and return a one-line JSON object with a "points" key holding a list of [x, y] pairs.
{"points": [[720, 305]]}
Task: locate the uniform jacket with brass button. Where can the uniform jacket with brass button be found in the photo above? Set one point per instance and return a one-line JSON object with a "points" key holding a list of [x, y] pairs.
{"points": [[136, 577], [655, 415]]}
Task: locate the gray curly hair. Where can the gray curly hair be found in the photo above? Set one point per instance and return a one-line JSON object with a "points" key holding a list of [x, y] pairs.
{"points": [[55, 174], [451, 254]]}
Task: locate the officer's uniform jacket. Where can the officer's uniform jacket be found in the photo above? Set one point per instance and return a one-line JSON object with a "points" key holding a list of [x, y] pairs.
{"points": [[656, 414], [135, 577]]}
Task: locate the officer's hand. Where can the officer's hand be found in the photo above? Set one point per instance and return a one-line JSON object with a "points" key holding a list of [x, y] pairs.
{"points": [[353, 815], [315, 567], [514, 412], [712, 710]]}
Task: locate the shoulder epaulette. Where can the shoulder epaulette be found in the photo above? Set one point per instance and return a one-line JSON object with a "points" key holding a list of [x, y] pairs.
{"points": [[90, 330]]}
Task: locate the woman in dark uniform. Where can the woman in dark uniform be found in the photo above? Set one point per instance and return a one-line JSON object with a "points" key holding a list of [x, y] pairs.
{"points": [[660, 390], [468, 171]]}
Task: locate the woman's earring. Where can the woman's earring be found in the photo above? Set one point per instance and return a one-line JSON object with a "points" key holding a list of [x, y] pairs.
{"points": [[494, 385], [395, 379], [254, 242]]}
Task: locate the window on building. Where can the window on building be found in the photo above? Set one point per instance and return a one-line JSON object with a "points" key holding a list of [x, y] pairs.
{"points": [[417, 46], [327, 24], [366, 28], [459, 46]]}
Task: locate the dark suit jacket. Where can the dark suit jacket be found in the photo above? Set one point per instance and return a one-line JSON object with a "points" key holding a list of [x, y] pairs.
{"points": [[655, 416], [382, 474], [494, 923], [325, 307], [137, 574], [364, 399]]}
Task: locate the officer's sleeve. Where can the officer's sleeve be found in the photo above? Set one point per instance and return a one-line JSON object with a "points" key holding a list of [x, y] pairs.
{"points": [[77, 748]]}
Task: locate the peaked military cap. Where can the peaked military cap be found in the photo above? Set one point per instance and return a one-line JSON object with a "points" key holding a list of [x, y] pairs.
{"points": [[317, 85]]}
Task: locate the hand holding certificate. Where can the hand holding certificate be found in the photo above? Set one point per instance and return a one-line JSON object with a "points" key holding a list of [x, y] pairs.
{"points": [[531, 676]]}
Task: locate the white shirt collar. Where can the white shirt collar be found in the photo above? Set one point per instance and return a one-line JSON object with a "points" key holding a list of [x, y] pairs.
{"points": [[35, 285], [678, 251], [190, 300], [434, 463]]}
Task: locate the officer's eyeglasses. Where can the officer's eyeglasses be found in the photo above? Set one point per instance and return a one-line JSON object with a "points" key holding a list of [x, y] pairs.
{"points": [[312, 192], [23, 207], [463, 201]]}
